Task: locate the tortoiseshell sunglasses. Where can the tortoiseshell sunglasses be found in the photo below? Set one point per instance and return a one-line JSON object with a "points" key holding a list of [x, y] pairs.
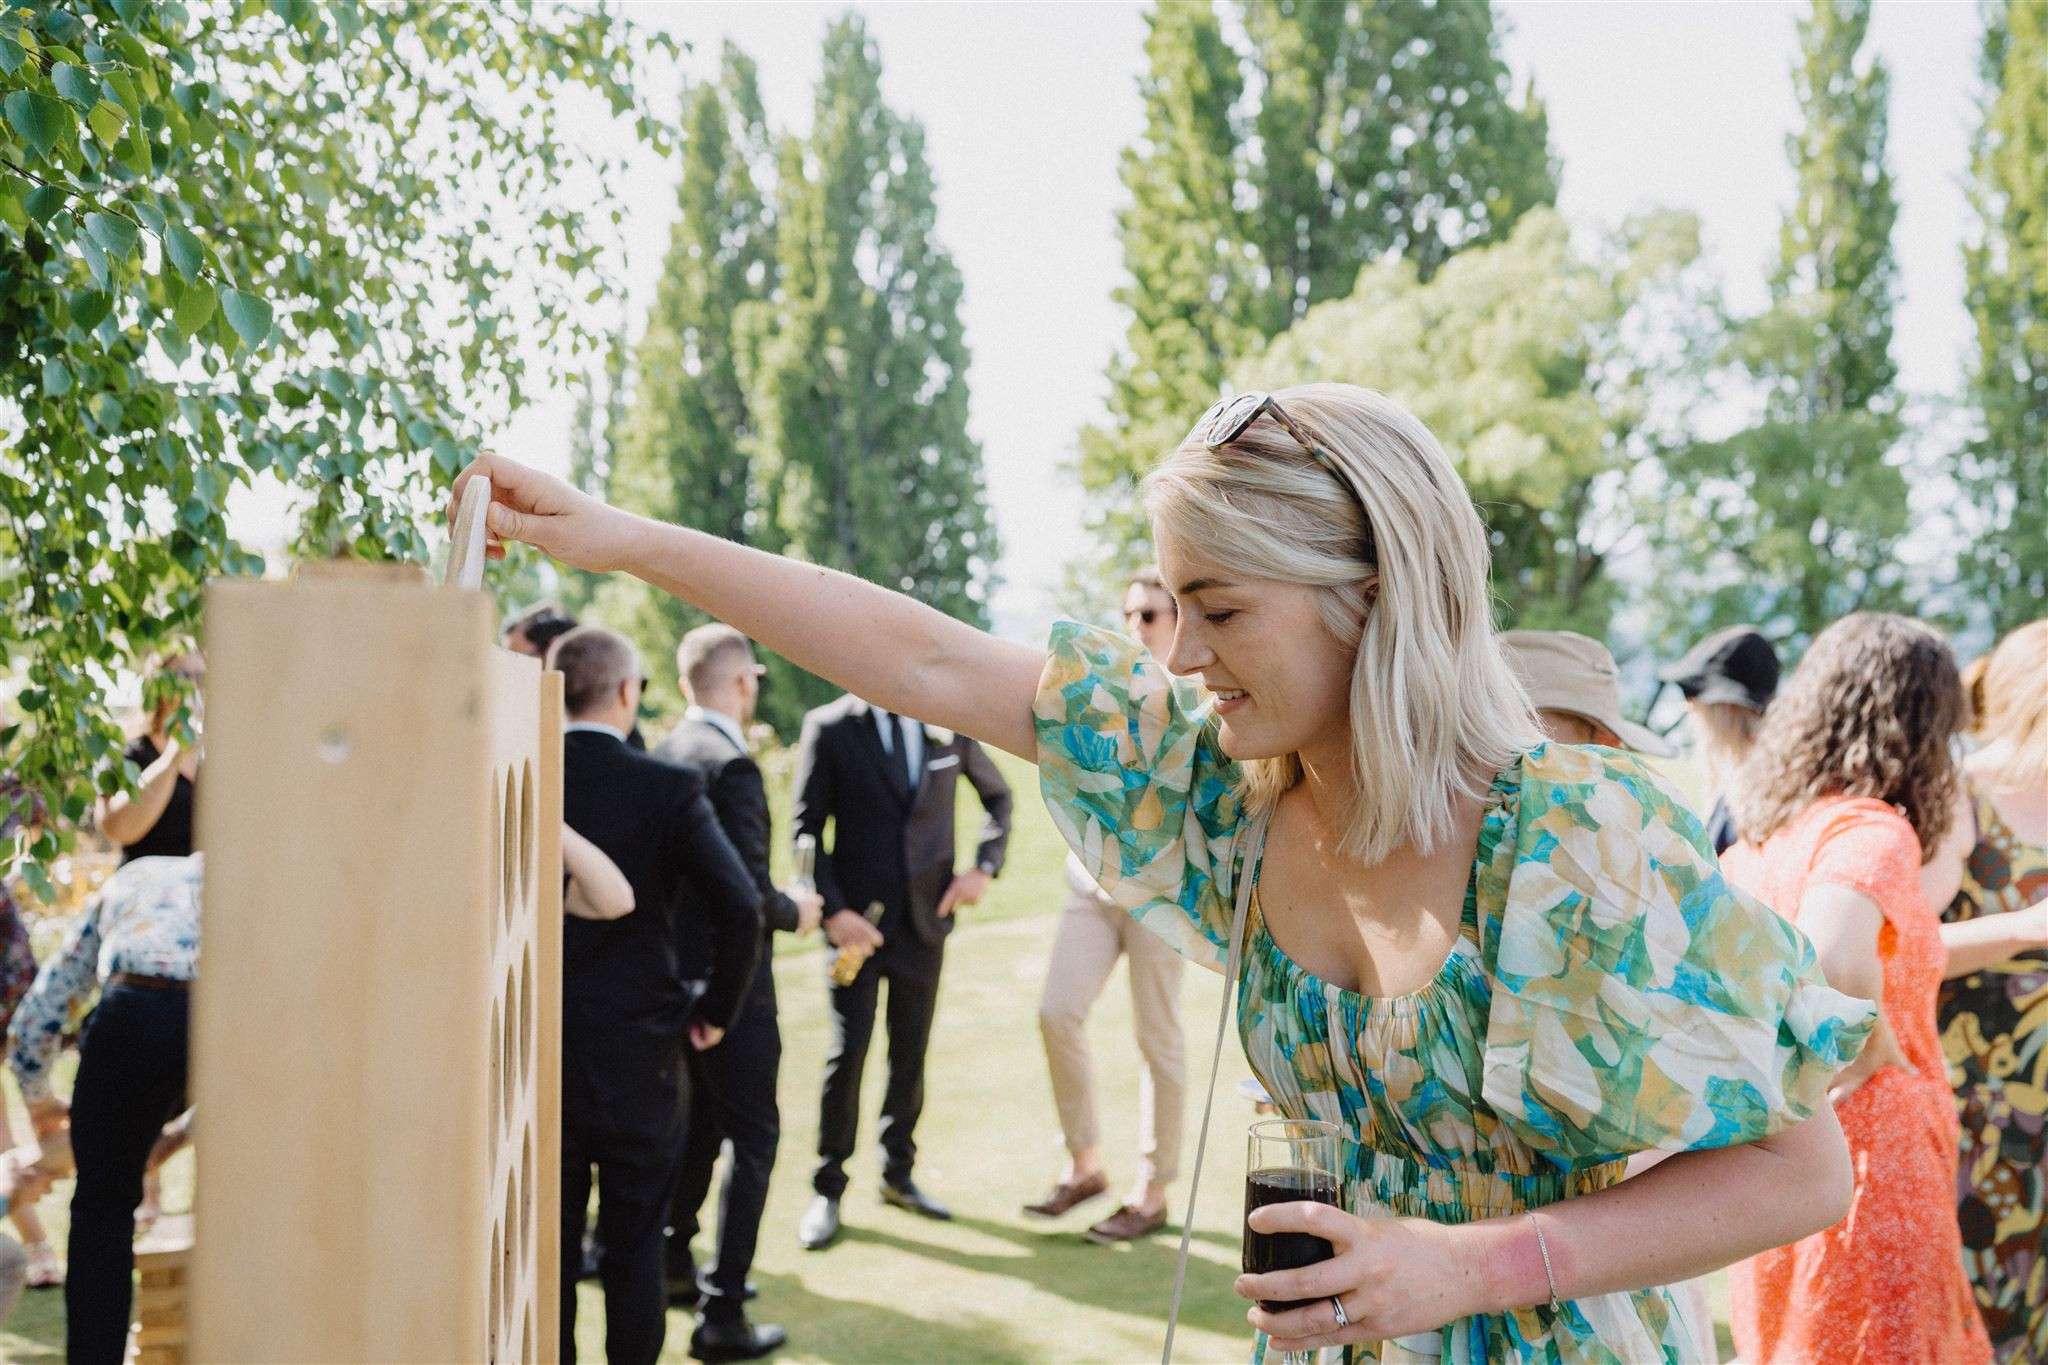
{"points": [[1230, 419]]}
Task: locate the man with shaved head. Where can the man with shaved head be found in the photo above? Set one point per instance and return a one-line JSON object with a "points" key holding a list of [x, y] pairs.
{"points": [[733, 1084]]}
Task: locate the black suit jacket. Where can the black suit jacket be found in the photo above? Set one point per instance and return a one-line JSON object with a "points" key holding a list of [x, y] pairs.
{"points": [[625, 996], [889, 844], [733, 782]]}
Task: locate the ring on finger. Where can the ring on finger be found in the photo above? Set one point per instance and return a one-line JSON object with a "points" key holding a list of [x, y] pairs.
{"points": [[1343, 1318]]}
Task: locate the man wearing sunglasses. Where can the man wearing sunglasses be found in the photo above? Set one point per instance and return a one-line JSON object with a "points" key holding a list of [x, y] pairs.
{"points": [[1093, 932]]}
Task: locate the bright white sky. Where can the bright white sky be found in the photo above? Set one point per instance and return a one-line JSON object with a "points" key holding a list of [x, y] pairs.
{"points": [[1027, 108]]}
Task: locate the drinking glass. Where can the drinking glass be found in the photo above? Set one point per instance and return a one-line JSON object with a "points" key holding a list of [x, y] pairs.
{"points": [[1288, 1161]]}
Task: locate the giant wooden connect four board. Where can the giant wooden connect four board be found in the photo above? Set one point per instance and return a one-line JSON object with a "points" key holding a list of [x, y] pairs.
{"points": [[376, 1037]]}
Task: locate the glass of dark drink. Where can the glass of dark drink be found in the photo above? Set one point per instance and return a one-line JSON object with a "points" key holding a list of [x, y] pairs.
{"points": [[1288, 1161]]}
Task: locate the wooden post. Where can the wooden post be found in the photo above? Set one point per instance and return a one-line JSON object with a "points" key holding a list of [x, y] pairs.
{"points": [[378, 1100]]}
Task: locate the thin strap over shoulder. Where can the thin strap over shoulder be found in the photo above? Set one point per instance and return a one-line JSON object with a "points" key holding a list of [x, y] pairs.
{"points": [[1251, 852]]}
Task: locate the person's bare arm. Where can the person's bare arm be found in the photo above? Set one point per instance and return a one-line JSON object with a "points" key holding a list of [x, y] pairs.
{"points": [[879, 645], [1843, 925], [1407, 1275], [597, 889], [1942, 875], [1988, 940], [126, 817]]}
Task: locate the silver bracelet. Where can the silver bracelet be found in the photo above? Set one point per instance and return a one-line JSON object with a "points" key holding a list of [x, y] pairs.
{"points": [[1544, 1247]]}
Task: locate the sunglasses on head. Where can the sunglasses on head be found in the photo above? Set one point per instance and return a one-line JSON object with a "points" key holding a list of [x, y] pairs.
{"points": [[1232, 417]]}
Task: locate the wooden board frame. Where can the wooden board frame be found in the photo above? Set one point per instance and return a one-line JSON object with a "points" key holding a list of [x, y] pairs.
{"points": [[376, 1035]]}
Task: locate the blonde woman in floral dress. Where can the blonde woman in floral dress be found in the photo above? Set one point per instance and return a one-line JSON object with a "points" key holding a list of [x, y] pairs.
{"points": [[1502, 966]]}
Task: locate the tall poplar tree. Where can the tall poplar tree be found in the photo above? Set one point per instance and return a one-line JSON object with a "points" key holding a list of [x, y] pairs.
{"points": [[2005, 469], [682, 448], [1266, 178], [1798, 519], [859, 385]]}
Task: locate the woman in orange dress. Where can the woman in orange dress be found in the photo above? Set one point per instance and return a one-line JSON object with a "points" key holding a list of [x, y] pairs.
{"points": [[1850, 779]]}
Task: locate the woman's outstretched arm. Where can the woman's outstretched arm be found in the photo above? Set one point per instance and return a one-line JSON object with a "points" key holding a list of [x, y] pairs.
{"points": [[880, 645]]}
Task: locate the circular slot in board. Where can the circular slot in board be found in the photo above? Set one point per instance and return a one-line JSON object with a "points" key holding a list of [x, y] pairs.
{"points": [[499, 1080], [510, 850], [497, 827], [515, 1254], [507, 1057], [526, 1026], [494, 1311], [529, 852], [526, 1184]]}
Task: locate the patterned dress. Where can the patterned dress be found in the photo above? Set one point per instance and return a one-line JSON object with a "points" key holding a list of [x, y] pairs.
{"points": [[1884, 1286], [1994, 1030], [17, 957], [1609, 994]]}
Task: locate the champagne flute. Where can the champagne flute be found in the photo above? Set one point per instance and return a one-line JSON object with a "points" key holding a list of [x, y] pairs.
{"points": [[806, 879], [1289, 1161]]}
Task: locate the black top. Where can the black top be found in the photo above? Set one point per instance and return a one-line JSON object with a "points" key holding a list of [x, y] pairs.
{"points": [[1721, 827], [740, 796], [623, 980], [890, 844], [171, 835]]}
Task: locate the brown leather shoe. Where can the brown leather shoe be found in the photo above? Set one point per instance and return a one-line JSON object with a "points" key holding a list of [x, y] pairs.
{"points": [[1067, 1194], [1126, 1225]]}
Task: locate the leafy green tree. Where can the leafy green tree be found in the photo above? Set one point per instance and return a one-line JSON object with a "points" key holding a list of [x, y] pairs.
{"points": [[2005, 469], [1192, 286], [1524, 358], [241, 240], [684, 444], [857, 374], [1347, 131], [1797, 520]]}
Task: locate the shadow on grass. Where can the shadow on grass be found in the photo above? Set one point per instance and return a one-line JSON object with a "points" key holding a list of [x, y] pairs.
{"points": [[855, 1332], [34, 1332], [1134, 1278]]}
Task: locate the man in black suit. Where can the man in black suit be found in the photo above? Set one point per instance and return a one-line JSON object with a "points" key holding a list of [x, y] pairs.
{"points": [[628, 1009], [733, 1085], [887, 784]]}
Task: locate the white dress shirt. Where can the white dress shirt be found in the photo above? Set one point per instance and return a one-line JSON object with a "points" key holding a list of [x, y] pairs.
{"points": [[718, 720], [912, 735]]}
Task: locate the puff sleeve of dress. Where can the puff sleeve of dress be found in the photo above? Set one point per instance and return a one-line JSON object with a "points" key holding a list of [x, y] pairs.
{"points": [[1639, 1001], [1130, 768]]}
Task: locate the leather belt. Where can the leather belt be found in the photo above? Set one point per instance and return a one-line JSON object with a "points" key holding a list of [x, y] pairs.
{"points": [[148, 983]]}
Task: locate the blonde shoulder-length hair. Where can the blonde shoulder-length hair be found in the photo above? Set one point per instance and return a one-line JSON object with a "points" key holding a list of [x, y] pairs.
{"points": [[2008, 693], [1399, 556]]}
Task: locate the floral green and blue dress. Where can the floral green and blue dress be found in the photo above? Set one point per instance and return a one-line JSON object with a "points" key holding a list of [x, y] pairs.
{"points": [[1609, 994]]}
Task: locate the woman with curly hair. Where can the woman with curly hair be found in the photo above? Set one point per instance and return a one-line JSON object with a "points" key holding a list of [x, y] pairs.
{"points": [[1850, 780], [1500, 965], [1993, 879]]}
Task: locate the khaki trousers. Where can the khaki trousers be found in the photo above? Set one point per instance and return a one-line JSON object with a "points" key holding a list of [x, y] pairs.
{"points": [[1093, 932]]}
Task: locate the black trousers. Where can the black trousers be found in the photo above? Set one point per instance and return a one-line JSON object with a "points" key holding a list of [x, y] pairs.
{"points": [[131, 1081], [629, 1130], [732, 1091], [912, 971]]}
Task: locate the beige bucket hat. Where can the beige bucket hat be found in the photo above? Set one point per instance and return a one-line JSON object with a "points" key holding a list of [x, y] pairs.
{"points": [[1566, 671]]}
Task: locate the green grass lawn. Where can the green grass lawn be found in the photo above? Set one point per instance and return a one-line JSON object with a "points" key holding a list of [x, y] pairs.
{"points": [[992, 1285]]}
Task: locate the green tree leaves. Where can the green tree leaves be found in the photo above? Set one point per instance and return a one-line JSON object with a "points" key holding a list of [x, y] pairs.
{"points": [[2004, 467], [1345, 131], [213, 282], [184, 251], [248, 315], [1517, 355], [195, 308], [42, 122], [117, 235], [1798, 519]]}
